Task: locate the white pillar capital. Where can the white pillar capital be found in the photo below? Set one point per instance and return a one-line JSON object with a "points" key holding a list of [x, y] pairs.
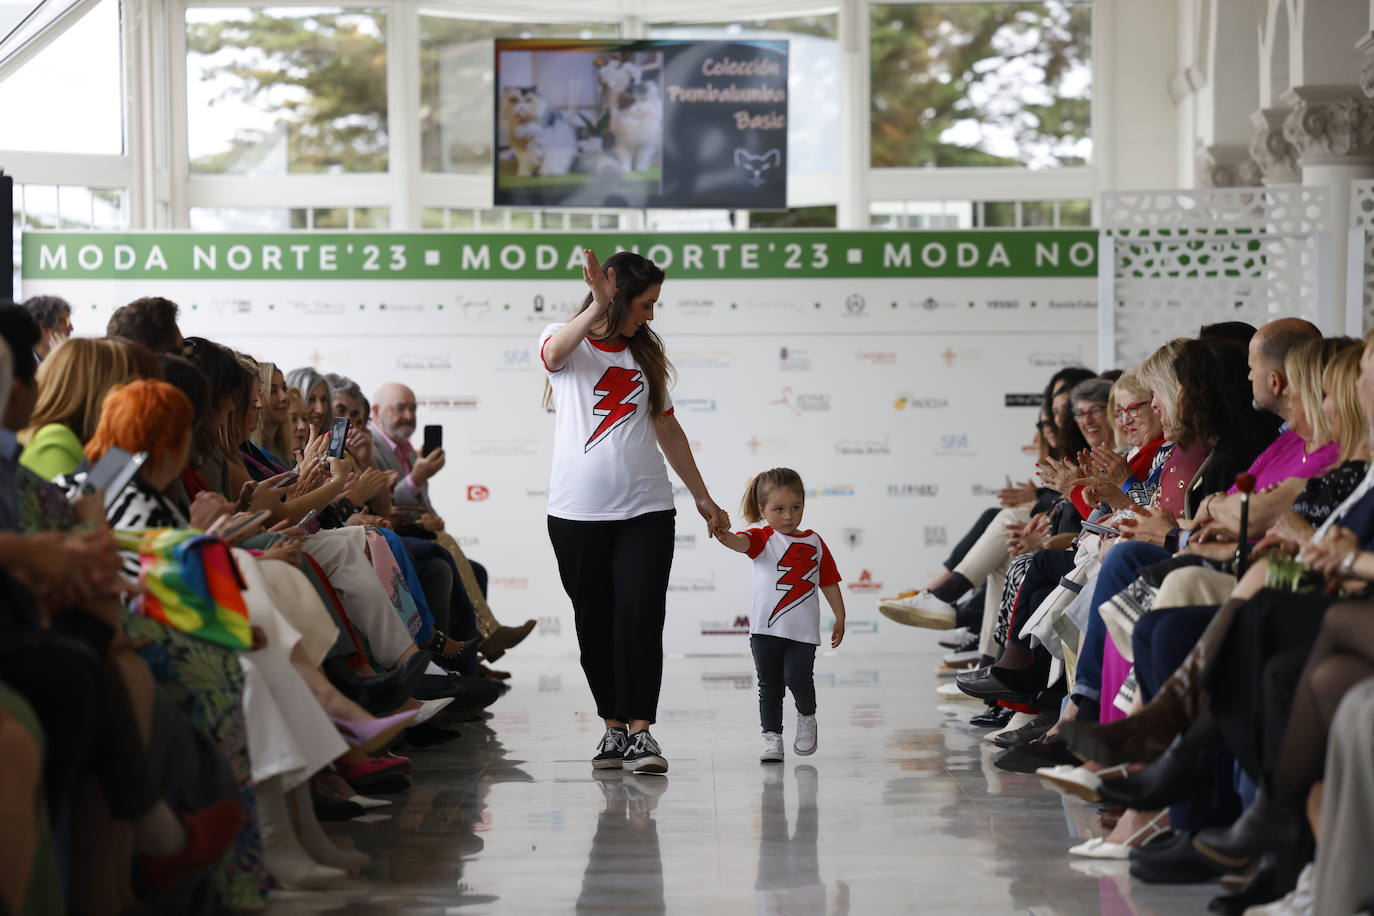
{"points": [[1273, 155], [1227, 166], [1330, 125]]}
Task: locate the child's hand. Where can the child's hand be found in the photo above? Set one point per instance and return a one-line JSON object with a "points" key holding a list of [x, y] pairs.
{"points": [[837, 634]]}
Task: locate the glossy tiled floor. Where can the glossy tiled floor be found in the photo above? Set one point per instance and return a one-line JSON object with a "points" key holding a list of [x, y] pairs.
{"points": [[900, 811]]}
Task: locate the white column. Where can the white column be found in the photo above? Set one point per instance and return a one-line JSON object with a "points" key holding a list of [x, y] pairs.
{"points": [[852, 204]]}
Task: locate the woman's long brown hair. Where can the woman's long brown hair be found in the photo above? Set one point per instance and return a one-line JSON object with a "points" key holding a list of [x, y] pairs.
{"points": [[633, 275]]}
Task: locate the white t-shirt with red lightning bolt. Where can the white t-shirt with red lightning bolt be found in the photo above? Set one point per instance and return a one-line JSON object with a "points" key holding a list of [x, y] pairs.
{"points": [[789, 572], [606, 462]]}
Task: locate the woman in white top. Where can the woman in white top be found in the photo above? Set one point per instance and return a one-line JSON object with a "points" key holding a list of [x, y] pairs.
{"points": [[610, 503]]}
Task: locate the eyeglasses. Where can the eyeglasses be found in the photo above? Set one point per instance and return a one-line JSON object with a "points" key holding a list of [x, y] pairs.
{"points": [[1085, 412], [1131, 410]]}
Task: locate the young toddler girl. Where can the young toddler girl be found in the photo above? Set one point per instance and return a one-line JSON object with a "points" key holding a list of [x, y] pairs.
{"points": [[792, 568]]}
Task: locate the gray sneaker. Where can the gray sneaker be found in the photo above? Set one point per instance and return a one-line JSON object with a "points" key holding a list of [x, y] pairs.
{"points": [[612, 749], [644, 755]]}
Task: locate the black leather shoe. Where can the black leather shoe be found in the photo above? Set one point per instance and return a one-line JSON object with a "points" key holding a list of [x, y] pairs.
{"points": [[427, 735], [1175, 862], [1033, 729], [467, 692], [993, 717], [1031, 756], [382, 693], [1265, 826], [1002, 684]]}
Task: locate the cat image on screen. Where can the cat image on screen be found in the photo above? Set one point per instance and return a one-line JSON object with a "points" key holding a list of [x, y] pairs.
{"points": [[615, 75], [542, 140], [592, 156], [637, 126], [757, 165]]}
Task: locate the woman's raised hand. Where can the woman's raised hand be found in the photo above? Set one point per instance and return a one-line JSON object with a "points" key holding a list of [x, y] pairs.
{"points": [[602, 284]]}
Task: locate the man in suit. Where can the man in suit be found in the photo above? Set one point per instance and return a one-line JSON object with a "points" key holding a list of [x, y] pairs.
{"points": [[393, 423]]}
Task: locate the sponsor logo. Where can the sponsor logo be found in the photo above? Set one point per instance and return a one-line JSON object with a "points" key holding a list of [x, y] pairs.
{"points": [[1073, 303], [802, 402], [772, 443], [502, 448], [447, 402], [515, 361], [516, 585], [400, 307], [694, 306], [865, 583], [231, 306], [545, 310], [853, 537], [694, 584], [467, 541], [702, 359], [684, 541], [919, 490], [931, 304], [906, 401], [784, 305], [843, 489], [863, 447], [424, 361], [791, 359], [854, 305], [318, 308], [478, 493], [949, 356], [1045, 359], [549, 626], [695, 405], [737, 627], [936, 536], [727, 680], [538, 494], [876, 357], [472, 308], [954, 444], [1004, 303], [982, 489], [1034, 399]]}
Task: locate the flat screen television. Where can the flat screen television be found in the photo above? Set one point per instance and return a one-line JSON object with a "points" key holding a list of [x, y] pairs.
{"points": [[680, 124]]}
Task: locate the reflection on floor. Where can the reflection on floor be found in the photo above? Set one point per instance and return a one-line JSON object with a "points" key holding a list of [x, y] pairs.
{"points": [[900, 811]]}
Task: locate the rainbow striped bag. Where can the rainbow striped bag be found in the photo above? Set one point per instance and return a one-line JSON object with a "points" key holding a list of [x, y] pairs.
{"points": [[192, 584]]}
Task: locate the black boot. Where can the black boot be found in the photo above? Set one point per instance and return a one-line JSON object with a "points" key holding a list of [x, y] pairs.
{"points": [[382, 693], [1265, 826], [1171, 779]]}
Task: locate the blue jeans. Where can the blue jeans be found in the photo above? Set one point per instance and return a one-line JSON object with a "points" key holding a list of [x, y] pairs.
{"points": [[1123, 564]]}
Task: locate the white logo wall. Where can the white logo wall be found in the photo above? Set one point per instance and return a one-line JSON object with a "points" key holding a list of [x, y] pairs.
{"points": [[884, 381]]}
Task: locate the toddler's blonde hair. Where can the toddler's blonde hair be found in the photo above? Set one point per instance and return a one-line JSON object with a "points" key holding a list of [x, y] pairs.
{"points": [[762, 484]]}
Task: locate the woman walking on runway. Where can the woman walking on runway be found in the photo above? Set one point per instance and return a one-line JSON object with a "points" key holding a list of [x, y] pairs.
{"points": [[610, 503]]}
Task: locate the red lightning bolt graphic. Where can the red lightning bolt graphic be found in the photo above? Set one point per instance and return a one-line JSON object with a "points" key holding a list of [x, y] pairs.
{"points": [[798, 561], [617, 386]]}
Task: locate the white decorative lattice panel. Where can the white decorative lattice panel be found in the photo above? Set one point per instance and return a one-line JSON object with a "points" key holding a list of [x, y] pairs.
{"points": [[1192, 257], [1362, 218]]}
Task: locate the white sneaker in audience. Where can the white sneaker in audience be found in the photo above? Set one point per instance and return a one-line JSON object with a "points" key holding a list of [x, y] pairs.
{"points": [[772, 748], [923, 610], [1299, 902], [955, 637]]}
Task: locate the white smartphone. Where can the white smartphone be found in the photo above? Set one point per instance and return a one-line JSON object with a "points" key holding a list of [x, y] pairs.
{"points": [[113, 472]]}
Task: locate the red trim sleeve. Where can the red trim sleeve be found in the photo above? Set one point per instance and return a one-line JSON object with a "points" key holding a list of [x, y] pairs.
{"points": [[669, 411], [543, 360], [758, 538], [830, 575], [1076, 497]]}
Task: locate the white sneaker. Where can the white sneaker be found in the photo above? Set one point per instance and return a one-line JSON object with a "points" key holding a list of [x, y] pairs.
{"points": [[806, 736], [1299, 902], [923, 610], [956, 637], [772, 748], [1017, 721]]}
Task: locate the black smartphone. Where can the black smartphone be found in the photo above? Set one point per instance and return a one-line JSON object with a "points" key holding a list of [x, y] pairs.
{"points": [[434, 440], [113, 472], [1100, 530], [338, 437]]}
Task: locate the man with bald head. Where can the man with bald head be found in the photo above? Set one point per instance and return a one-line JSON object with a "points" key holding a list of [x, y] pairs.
{"points": [[1268, 349], [393, 423]]}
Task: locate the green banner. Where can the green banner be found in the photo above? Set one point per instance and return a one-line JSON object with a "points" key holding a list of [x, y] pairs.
{"points": [[761, 254]]}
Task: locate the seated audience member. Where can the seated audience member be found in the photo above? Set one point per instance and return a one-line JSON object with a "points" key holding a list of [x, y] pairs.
{"points": [[54, 318], [393, 423], [150, 321], [315, 394], [72, 384]]}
